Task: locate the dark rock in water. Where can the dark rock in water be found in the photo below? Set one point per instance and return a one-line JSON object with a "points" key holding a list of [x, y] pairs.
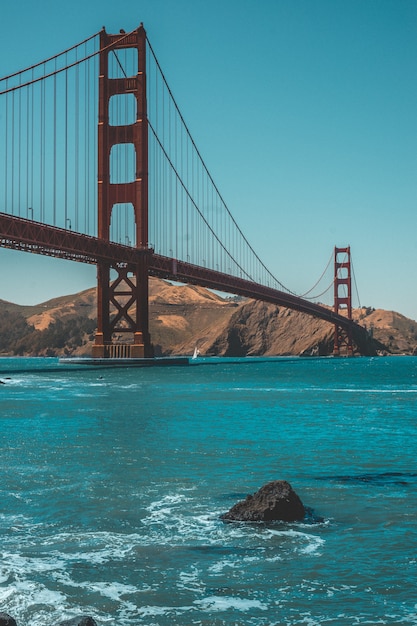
{"points": [[81, 620], [7, 620], [274, 501]]}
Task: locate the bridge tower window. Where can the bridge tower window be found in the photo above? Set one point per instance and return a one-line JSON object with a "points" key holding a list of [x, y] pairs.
{"points": [[122, 109], [123, 63], [123, 224], [122, 163]]}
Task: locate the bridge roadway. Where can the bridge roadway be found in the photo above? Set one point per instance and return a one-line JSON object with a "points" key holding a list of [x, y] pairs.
{"points": [[30, 236]]}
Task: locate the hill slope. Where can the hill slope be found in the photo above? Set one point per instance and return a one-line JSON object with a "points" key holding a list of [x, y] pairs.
{"points": [[183, 316]]}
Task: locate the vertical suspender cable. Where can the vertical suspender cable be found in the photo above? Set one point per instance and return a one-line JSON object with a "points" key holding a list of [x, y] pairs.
{"points": [[77, 139], [12, 157], [55, 150], [27, 151], [41, 150], [19, 150], [32, 194], [6, 159], [66, 152], [86, 143]]}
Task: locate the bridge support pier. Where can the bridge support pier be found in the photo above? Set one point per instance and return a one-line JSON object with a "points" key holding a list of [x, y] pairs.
{"points": [[342, 300], [123, 318], [122, 301]]}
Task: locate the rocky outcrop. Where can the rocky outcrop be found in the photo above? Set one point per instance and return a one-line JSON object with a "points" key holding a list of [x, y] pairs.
{"points": [[7, 620], [80, 620], [274, 501]]}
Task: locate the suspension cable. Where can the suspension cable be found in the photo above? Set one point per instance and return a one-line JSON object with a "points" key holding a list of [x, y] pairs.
{"points": [[56, 56], [195, 205], [315, 285], [211, 179], [67, 67], [119, 64], [318, 295]]}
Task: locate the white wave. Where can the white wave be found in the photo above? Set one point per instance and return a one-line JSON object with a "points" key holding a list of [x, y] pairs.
{"points": [[93, 547], [13, 381], [152, 611], [220, 566], [191, 580], [252, 389], [310, 544], [24, 596], [170, 498], [224, 603], [169, 521], [114, 591], [209, 604], [4, 575], [20, 565], [377, 391], [312, 388]]}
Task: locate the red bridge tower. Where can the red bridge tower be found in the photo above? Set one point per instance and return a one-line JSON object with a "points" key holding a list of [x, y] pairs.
{"points": [[122, 316], [342, 299]]}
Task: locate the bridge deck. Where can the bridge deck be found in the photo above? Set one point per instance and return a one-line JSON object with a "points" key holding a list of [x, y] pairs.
{"points": [[30, 236]]}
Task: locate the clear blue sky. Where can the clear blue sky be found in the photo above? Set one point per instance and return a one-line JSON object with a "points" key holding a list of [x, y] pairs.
{"points": [[305, 112]]}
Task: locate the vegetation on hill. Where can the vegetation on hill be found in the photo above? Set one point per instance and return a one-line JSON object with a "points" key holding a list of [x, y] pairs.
{"points": [[18, 337]]}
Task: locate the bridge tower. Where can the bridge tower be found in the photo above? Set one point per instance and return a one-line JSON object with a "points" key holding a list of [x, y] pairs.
{"points": [[342, 299], [122, 290]]}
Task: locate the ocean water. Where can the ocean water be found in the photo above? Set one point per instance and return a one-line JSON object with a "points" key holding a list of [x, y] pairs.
{"points": [[113, 481]]}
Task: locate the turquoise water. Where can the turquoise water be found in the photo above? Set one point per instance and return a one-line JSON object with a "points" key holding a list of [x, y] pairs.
{"points": [[113, 481]]}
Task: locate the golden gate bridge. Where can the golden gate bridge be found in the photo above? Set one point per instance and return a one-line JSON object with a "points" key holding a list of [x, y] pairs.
{"points": [[98, 166]]}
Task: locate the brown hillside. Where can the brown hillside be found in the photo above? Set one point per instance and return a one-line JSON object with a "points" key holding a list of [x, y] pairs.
{"points": [[183, 316], [397, 333], [83, 304]]}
